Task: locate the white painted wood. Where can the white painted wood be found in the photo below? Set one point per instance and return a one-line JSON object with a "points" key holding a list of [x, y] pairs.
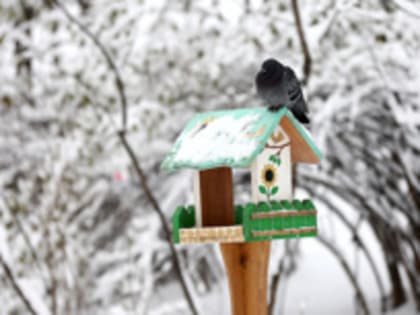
{"points": [[283, 171], [197, 199], [285, 176], [254, 181]]}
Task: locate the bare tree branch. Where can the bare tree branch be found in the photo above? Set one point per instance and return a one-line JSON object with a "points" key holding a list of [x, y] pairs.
{"points": [[16, 287], [167, 232], [336, 253], [387, 234], [282, 273], [274, 288], [408, 7], [109, 60], [307, 62], [29, 244], [357, 239], [26, 238], [130, 152], [275, 283]]}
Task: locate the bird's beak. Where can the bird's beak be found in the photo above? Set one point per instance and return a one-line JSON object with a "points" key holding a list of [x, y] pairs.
{"points": [[263, 70]]}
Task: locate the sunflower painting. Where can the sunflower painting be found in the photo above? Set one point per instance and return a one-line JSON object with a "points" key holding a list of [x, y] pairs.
{"points": [[269, 179]]}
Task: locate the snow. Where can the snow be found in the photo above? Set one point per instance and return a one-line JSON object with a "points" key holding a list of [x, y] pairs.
{"points": [[4, 249], [101, 239], [225, 132], [409, 7], [32, 289]]}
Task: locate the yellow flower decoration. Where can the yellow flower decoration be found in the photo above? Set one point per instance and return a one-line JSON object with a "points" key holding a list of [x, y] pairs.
{"points": [[277, 137], [269, 175]]}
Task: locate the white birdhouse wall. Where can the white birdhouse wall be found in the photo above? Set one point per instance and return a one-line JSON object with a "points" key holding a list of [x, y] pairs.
{"points": [[197, 199], [271, 172]]}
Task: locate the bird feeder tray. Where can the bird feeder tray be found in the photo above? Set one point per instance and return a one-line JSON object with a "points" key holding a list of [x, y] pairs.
{"points": [[253, 222]]}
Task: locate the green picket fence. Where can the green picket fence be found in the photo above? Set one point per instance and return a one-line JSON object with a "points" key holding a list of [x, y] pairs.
{"points": [[279, 220], [262, 221], [183, 217]]}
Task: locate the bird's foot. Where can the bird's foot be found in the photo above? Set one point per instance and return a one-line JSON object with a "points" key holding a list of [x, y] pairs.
{"points": [[274, 108]]}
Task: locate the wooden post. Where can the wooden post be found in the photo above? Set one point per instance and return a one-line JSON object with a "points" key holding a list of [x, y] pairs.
{"points": [[246, 263], [247, 270]]}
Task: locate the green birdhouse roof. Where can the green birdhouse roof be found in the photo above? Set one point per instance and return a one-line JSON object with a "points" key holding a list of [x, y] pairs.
{"points": [[234, 138]]}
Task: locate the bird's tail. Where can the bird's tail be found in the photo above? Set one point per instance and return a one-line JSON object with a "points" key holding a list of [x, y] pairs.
{"points": [[301, 116]]}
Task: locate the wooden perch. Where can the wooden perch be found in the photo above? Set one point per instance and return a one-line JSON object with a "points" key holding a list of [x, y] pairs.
{"points": [[222, 234]]}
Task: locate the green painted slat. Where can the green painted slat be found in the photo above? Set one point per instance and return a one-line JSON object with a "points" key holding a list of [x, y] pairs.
{"points": [[275, 205], [278, 237], [176, 223], [183, 217], [263, 207], [239, 214], [311, 234], [286, 204], [297, 204], [311, 221], [247, 221], [307, 204]]}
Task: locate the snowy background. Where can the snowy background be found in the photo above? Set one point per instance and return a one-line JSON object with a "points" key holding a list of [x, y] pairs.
{"points": [[80, 182]]}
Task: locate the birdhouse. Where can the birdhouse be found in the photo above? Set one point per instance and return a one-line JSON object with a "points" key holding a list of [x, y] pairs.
{"points": [[266, 143]]}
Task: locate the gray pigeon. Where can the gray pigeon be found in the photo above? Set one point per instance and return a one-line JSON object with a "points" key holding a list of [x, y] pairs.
{"points": [[278, 86]]}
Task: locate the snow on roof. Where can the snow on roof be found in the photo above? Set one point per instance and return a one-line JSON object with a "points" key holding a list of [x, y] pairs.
{"points": [[230, 138]]}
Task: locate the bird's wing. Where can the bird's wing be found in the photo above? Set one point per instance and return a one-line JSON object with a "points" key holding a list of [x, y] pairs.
{"points": [[294, 91]]}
